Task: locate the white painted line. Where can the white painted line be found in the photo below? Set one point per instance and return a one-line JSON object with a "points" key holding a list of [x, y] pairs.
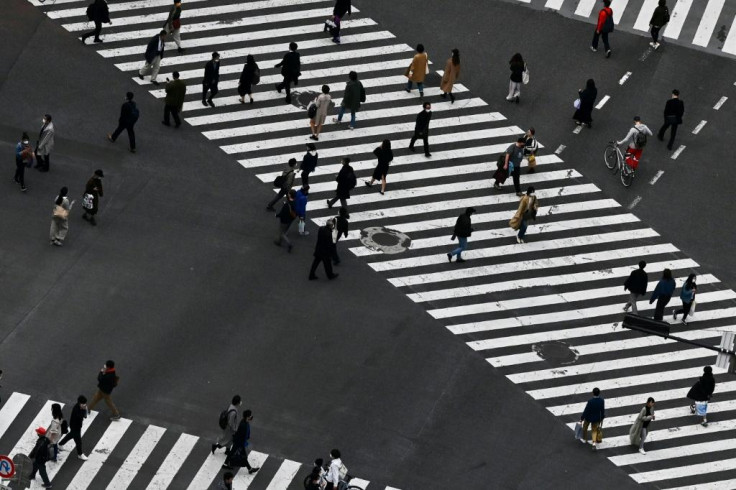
{"points": [[636, 201], [674, 452], [208, 471], [713, 485], [560, 149], [700, 126], [624, 78], [585, 8], [730, 45], [28, 438], [170, 466], [677, 19], [656, 177], [689, 430], [113, 7], [99, 454], [242, 478], [618, 7], [39, 3], [708, 22], [285, 474], [720, 102], [554, 4], [683, 471], [645, 15], [11, 409], [603, 101], [359, 481], [577, 129], [677, 152], [133, 463], [670, 413]]}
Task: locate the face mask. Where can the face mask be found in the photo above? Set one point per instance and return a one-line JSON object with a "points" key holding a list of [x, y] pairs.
{"points": [[43, 121], [25, 142], [312, 152]]}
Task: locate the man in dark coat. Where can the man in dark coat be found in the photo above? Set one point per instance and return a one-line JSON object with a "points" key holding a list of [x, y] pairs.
{"points": [[176, 90], [323, 251], [342, 7], [421, 129], [211, 79], [107, 380], [79, 413], [309, 163], [40, 455], [128, 117], [97, 13], [154, 55], [291, 69], [673, 112], [463, 229], [636, 285], [594, 413], [346, 181], [286, 217]]}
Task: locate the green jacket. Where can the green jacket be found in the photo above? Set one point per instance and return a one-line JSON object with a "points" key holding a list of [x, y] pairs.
{"points": [[351, 99], [175, 92]]}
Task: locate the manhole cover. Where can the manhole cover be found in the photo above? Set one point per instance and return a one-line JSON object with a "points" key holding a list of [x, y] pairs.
{"points": [[385, 240], [302, 99], [556, 353]]}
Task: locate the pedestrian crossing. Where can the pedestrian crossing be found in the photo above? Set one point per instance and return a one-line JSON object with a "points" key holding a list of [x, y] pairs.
{"points": [[706, 24], [545, 313], [126, 455]]}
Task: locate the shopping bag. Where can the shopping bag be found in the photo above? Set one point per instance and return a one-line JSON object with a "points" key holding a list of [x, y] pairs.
{"points": [[599, 435], [578, 430], [701, 408]]}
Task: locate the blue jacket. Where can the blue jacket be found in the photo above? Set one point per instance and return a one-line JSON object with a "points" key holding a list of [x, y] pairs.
{"points": [[664, 288], [687, 294], [595, 410], [300, 203]]}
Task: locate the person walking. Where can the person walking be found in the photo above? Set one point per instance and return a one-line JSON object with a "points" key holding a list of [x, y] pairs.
{"points": [[662, 294], [336, 472], [107, 380], [45, 144], [701, 392], [300, 206], [514, 155], [40, 455], [324, 251], [176, 91], [229, 424], [517, 67], [250, 76], [309, 163], [660, 18], [421, 128], [346, 181], [286, 181], [674, 109], [418, 70], [98, 13], [640, 428], [462, 231], [636, 285], [91, 198], [352, 97], [687, 295], [527, 211], [129, 115], [385, 156], [291, 70], [342, 7], [593, 415], [154, 54], [23, 159], [53, 431], [584, 108], [322, 103], [238, 455], [60, 218], [173, 25], [603, 28], [340, 228], [286, 217], [227, 481], [531, 147], [211, 79], [79, 413], [451, 75]]}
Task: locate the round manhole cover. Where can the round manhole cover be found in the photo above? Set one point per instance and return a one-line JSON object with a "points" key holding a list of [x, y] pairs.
{"points": [[556, 352], [385, 240]]}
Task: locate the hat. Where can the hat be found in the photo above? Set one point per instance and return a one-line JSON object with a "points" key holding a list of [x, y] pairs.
{"points": [[637, 118], [99, 173], [41, 431], [311, 147]]}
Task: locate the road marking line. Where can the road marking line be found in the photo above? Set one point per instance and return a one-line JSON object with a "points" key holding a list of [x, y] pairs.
{"points": [[603, 101], [674, 452], [561, 148], [683, 471], [132, 464], [656, 177], [170, 466], [121, 7], [285, 474], [677, 19], [11, 409], [720, 102], [577, 129], [243, 478], [699, 126], [554, 4], [636, 201], [99, 454], [708, 22], [28, 438], [585, 8], [624, 78], [713, 485], [730, 45], [677, 152]]}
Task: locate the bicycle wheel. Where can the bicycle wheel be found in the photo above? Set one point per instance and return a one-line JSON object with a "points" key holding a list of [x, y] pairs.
{"points": [[610, 156], [627, 175]]}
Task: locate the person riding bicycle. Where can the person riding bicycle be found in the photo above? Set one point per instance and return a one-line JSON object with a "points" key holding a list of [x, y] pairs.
{"points": [[636, 139]]}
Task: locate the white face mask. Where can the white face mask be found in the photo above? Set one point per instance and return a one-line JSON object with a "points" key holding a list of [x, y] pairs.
{"points": [[25, 142], [43, 121], [312, 152]]}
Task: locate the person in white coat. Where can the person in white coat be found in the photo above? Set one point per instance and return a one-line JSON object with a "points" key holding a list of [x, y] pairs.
{"points": [[45, 144]]}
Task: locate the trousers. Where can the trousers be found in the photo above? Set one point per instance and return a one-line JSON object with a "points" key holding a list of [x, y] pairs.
{"points": [[604, 36], [673, 132], [633, 297], [151, 68], [20, 172], [424, 135], [170, 110], [95, 32], [108, 401], [76, 435], [327, 261], [129, 129], [659, 309], [212, 88], [286, 85]]}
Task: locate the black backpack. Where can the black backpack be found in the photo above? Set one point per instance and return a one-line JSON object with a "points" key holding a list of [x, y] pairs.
{"points": [[640, 139], [91, 11], [256, 76], [134, 115], [352, 180], [312, 110], [666, 15], [607, 24], [362, 93], [224, 415]]}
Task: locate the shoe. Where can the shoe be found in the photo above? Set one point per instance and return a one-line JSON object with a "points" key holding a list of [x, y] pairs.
{"points": [[180, 50], [241, 100], [684, 322], [452, 99], [657, 45], [351, 127], [155, 83], [288, 248], [509, 99], [367, 184], [380, 192], [669, 147], [46, 485], [421, 95], [595, 447], [652, 44], [209, 101], [23, 189], [109, 138], [642, 451], [692, 409], [578, 123], [288, 101], [251, 100], [204, 103], [313, 278], [443, 95], [704, 423], [674, 315], [304, 233], [140, 76], [428, 155], [334, 276], [277, 88], [98, 40], [270, 208], [531, 170], [335, 120], [626, 307], [83, 39], [329, 204], [314, 137], [253, 470], [460, 260], [115, 418], [214, 448], [608, 53], [411, 148], [165, 123], [449, 257], [589, 124], [595, 50], [82, 457], [57, 243], [516, 99], [408, 91], [497, 187], [519, 240]]}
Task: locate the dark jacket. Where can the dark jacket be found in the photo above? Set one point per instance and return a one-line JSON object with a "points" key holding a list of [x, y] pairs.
{"points": [[587, 101], [152, 49], [107, 380], [595, 410], [40, 452], [342, 226], [343, 182], [242, 435], [94, 187], [309, 162], [246, 76], [126, 114], [517, 68], [100, 12], [341, 8], [77, 417], [287, 214], [211, 73], [325, 246], [462, 226], [702, 389], [351, 98], [664, 288], [676, 108], [291, 65], [660, 16], [637, 282], [423, 118], [176, 90]]}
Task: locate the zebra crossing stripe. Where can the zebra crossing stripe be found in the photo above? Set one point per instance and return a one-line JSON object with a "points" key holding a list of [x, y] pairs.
{"points": [[730, 45], [285, 474], [208, 471], [99, 454], [677, 19], [113, 7], [11, 409], [28, 439], [678, 432], [554, 4], [243, 478], [684, 471], [645, 15], [170, 467], [708, 22], [585, 8], [133, 463], [360, 483], [618, 7], [713, 485]]}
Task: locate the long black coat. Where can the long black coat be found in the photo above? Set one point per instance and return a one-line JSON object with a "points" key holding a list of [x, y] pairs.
{"points": [[211, 73], [325, 246], [100, 12], [341, 8], [422, 124], [587, 101], [702, 389], [291, 65], [152, 49], [343, 182]]}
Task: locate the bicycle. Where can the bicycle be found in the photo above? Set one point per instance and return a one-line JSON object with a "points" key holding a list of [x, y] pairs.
{"points": [[616, 161]]}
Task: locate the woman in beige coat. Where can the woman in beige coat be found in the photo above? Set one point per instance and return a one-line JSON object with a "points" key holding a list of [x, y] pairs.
{"points": [[322, 101], [528, 206], [638, 431], [452, 73], [417, 70]]}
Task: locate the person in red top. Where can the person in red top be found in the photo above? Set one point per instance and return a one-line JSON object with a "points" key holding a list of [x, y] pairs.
{"points": [[603, 28]]}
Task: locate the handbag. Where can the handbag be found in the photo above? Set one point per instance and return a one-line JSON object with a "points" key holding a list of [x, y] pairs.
{"points": [[525, 75], [532, 160], [312, 110], [599, 435], [576, 104], [88, 201], [692, 308], [426, 67], [578, 430], [60, 212], [701, 408]]}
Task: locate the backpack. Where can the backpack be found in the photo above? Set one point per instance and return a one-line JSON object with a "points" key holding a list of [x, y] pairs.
{"points": [[501, 161], [224, 415], [362, 93], [91, 11], [607, 24], [343, 471], [640, 139], [256, 76], [134, 115], [280, 180], [666, 15], [64, 427], [352, 180]]}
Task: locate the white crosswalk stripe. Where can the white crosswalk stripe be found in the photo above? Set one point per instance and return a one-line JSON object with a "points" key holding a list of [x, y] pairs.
{"points": [[510, 302]]}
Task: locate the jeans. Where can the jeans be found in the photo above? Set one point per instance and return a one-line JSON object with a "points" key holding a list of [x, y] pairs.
{"points": [[95, 32], [129, 129], [522, 228], [514, 90], [632, 302], [41, 469], [342, 111], [424, 135], [659, 309], [673, 133], [75, 434], [174, 112], [462, 246], [108, 401], [20, 172], [420, 86], [516, 175], [604, 36], [685, 309]]}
